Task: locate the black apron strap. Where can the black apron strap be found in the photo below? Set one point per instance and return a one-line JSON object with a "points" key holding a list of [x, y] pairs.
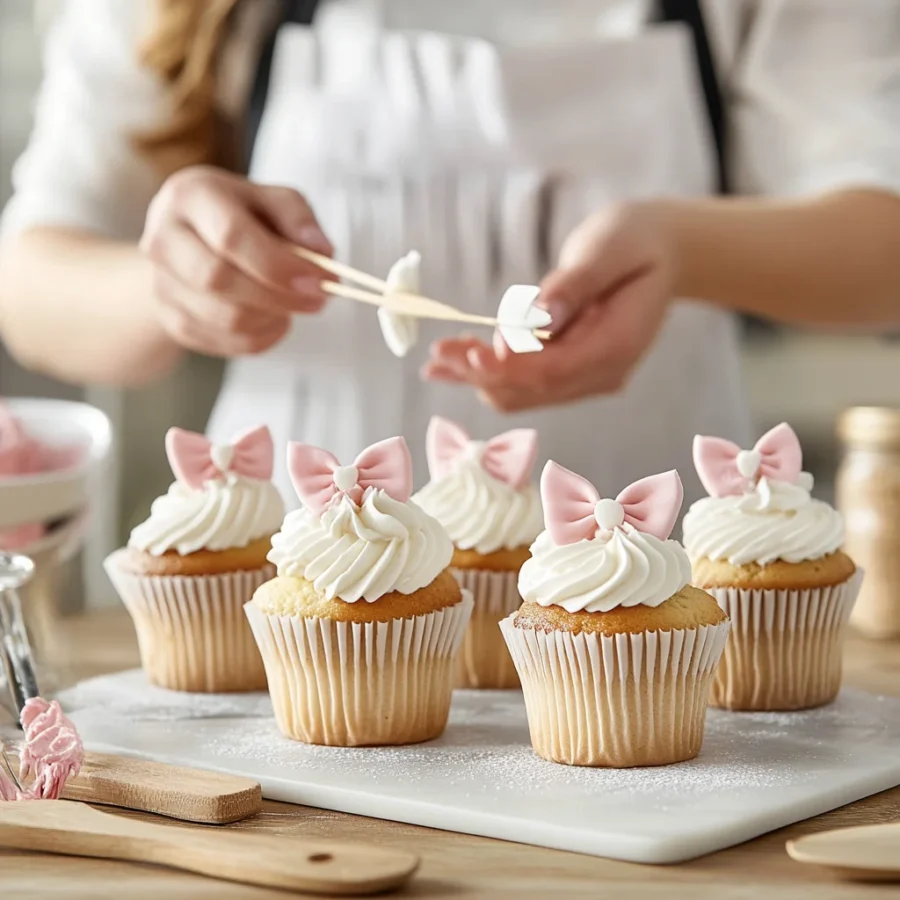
{"points": [[300, 12], [690, 13]]}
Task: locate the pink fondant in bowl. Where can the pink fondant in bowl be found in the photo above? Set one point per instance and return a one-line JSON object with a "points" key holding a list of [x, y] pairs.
{"points": [[49, 452]]}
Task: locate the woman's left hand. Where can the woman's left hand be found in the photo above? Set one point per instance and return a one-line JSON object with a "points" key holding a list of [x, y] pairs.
{"points": [[608, 298]]}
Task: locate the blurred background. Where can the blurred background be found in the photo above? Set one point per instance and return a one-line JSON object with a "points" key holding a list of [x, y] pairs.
{"points": [[804, 378]]}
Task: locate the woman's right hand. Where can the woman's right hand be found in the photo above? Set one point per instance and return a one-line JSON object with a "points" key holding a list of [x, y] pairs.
{"points": [[224, 278]]}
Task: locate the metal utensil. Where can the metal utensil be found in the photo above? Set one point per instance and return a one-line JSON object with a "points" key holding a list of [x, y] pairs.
{"points": [[181, 793], [18, 681]]}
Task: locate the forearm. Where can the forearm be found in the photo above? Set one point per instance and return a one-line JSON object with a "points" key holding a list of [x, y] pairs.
{"points": [[79, 308], [831, 260]]}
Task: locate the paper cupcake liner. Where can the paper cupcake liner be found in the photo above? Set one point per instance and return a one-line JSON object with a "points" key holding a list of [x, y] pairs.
{"points": [[191, 629], [785, 649], [618, 701], [484, 660], [351, 684]]}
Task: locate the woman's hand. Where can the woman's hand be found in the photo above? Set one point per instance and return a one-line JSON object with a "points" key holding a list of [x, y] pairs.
{"points": [[225, 280], [608, 298]]}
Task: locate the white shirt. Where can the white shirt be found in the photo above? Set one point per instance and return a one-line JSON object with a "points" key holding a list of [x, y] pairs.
{"points": [[419, 123], [814, 89]]}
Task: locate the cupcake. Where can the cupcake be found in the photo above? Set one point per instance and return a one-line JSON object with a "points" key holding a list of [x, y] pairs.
{"points": [[615, 649], [480, 492], [771, 556], [190, 568], [360, 630]]}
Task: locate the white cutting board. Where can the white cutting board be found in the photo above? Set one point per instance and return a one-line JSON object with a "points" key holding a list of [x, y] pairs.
{"points": [[756, 772]]}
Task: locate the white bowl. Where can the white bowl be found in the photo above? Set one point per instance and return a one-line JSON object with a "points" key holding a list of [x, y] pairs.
{"points": [[55, 495]]}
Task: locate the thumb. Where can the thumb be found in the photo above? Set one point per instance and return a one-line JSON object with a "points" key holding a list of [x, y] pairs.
{"points": [[565, 292], [576, 281], [593, 263], [288, 213]]}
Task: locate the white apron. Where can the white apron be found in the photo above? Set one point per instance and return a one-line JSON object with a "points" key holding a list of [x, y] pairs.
{"points": [[482, 157]]}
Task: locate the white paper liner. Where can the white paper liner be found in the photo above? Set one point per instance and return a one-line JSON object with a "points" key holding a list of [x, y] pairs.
{"points": [[618, 701], [785, 650], [484, 660], [191, 629], [350, 684]]}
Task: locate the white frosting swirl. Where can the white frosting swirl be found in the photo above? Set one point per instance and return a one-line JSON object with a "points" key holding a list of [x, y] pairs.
{"points": [[776, 520], [481, 513], [621, 567], [362, 552], [225, 514]]}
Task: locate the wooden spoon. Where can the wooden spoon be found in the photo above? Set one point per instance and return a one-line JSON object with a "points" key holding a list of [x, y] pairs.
{"points": [[191, 795], [864, 853], [294, 863]]}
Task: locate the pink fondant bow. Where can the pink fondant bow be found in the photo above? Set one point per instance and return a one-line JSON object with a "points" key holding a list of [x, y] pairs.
{"points": [[574, 511], [319, 478], [509, 457], [725, 469], [196, 460]]}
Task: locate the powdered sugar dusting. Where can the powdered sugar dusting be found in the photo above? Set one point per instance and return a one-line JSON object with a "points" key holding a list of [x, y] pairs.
{"points": [[130, 695], [756, 771], [486, 745]]}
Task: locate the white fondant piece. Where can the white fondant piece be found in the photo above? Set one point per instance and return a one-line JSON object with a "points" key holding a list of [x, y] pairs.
{"points": [[518, 317], [345, 477], [609, 514], [747, 462], [221, 456], [401, 332]]}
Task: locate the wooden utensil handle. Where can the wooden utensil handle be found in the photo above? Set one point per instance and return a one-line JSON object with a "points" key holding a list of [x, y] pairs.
{"points": [[863, 852], [406, 304], [325, 867], [191, 795]]}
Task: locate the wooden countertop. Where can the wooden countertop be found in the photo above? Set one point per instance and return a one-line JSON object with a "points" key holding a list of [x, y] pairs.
{"points": [[461, 866]]}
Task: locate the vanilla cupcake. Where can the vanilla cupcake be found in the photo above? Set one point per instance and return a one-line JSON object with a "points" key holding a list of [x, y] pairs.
{"points": [[360, 630], [480, 492], [191, 566], [771, 556], [615, 649]]}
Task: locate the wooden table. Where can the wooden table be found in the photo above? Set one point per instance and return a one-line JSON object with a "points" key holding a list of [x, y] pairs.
{"points": [[460, 866]]}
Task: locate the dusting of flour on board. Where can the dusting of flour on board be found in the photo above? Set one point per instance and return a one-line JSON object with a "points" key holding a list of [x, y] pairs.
{"points": [[129, 695], [756, 771], [486, 742]]}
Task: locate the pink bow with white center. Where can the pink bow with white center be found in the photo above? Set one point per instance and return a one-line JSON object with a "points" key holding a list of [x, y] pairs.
{"points": [[725, 469], [574, 510], [195, 459], [509, 457], [319, 478]]}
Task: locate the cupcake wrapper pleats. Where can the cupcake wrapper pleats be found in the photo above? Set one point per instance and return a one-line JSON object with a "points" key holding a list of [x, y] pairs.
{"points": [[351, 684], [618, 701], [484, 661], [192, 632], [785, 650]]}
